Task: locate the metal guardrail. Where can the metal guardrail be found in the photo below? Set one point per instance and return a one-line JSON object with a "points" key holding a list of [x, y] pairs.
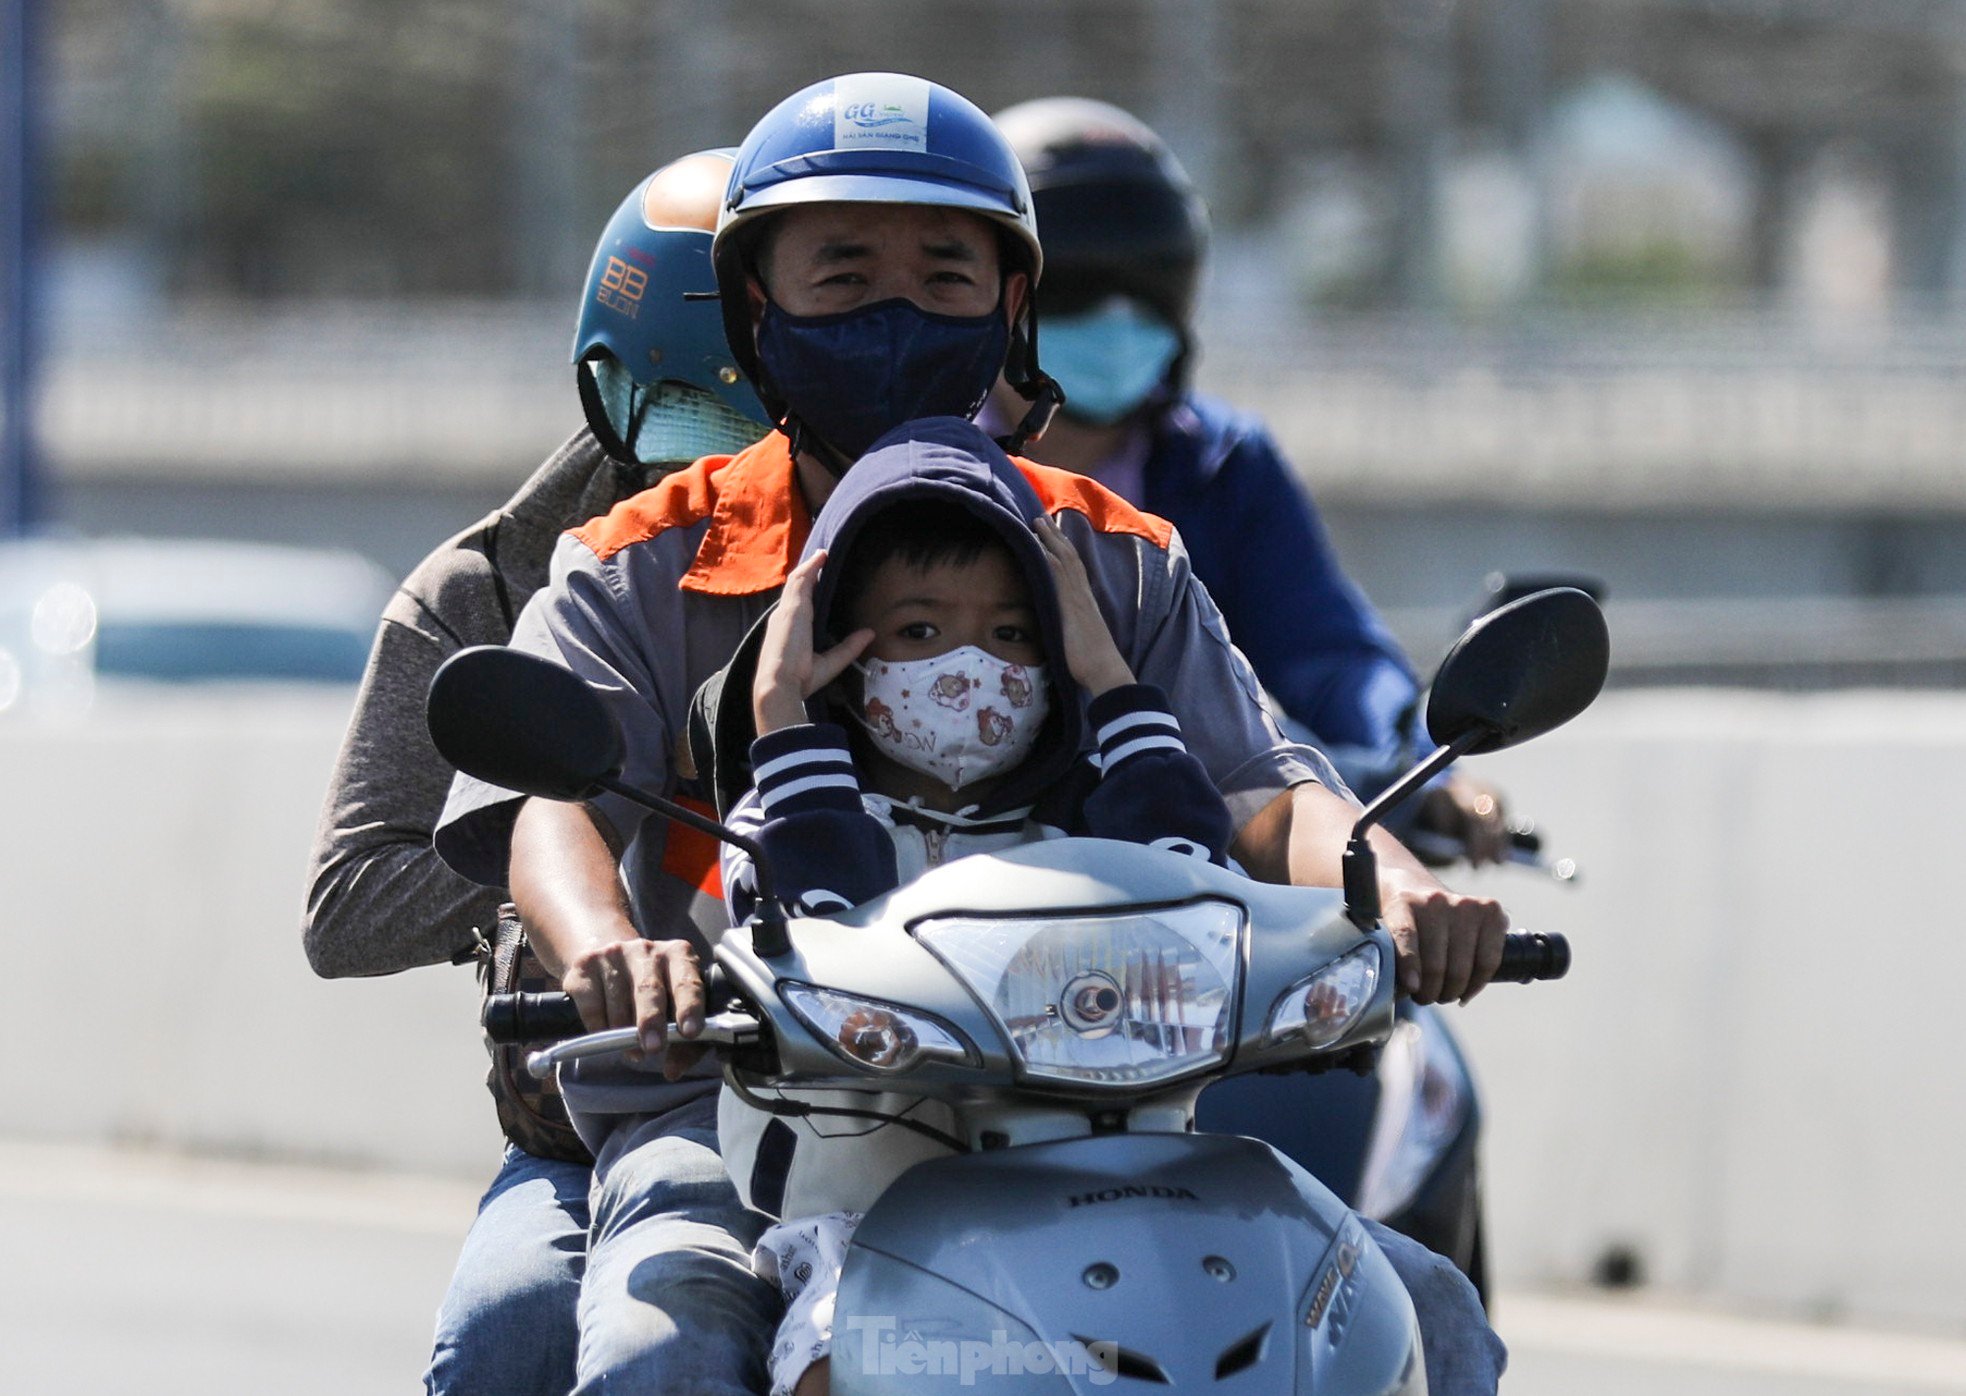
{"points": [[423, 394], [1576, 413], [1723, 409]]}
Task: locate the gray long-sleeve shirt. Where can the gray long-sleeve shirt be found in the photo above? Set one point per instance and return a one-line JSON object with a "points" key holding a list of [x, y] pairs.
{"points": [[379, 899]]}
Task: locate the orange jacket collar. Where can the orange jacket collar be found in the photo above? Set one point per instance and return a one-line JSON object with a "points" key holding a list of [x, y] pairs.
{"points": [[758, 525], [759, 521]]}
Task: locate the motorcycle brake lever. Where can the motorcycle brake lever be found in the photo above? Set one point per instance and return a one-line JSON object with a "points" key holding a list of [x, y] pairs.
{"points": [[1440, 851], [719, 1030]]}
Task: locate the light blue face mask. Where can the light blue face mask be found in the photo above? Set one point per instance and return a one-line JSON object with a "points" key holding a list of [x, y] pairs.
{"points": [[665, 423], [1108, 360]]}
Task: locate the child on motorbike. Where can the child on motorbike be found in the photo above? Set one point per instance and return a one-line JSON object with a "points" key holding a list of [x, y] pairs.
{"points": [[921, 693]]}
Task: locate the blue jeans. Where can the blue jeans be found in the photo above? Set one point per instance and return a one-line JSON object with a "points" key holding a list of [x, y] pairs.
{"points": [[670, 1303], [506, 1326], [1464, 1355]]}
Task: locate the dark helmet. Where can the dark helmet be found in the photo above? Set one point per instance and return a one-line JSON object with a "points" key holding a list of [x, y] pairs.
{"points": [[878, 138], [649, 351], [1119, 214]]}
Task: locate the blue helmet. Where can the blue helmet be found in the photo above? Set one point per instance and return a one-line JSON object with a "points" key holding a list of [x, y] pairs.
{"points": [[877, 138], [657, 380]]}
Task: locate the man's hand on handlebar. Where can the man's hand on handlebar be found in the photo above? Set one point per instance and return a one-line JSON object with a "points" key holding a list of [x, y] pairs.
{"points": [[1449, 944], [642, 984], [1470, 813]]}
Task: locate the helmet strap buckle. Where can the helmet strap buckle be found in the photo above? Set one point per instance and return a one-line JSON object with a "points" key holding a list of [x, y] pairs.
{"points": [[1045, 398]]}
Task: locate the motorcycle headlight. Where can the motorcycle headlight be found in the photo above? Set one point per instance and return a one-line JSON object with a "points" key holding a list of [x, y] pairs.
{"points": [[1321, 1009], [1424, 1098], [871, 1034], [1103, 1000]]}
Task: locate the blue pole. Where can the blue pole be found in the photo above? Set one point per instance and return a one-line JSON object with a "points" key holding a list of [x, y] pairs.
{"points": [[18, 485]]}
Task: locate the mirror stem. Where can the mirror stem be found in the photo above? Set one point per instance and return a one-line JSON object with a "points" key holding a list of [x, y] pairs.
{"points": [[1361, 864], [769, 939]]}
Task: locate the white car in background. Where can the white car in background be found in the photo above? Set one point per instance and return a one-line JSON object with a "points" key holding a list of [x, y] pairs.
{"points": [[76, 612]]}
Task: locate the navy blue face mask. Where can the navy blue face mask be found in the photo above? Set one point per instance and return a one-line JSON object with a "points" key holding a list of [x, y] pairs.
{"points": [[852, 377]]}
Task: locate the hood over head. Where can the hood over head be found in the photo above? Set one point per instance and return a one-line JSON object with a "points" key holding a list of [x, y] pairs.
{"points": [[936, 458], [949, 460]]}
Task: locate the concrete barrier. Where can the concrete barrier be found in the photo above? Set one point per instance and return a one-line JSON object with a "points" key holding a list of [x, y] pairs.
{"points": [[154, 862], [1749, 1078]]}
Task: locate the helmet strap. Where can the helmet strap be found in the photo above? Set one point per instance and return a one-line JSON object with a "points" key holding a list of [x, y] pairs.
{"points": [[1046, 398], [1031, 383], [807, 442], [595, 410]]}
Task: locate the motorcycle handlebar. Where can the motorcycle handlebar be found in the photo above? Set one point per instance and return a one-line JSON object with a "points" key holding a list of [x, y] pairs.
{"points": [[1527, 956], [1519, 845], [1531, 955], [509, 1019]]}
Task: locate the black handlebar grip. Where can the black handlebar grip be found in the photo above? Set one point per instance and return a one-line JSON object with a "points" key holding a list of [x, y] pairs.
{"points": [[1530, 955], [512, 1018]]}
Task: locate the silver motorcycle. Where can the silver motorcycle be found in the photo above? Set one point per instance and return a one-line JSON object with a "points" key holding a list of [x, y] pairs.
{"points": [[1068, 1001]]}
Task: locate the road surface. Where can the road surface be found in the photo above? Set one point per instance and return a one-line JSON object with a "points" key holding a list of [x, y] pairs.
{"points": [[133, 1271]]}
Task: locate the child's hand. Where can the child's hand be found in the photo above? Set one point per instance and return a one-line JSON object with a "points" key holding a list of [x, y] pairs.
{"points": [[788, 670], [1090, 653]]}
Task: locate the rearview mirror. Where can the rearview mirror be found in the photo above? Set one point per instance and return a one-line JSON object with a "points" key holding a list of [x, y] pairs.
{"points": [[1520, 671], [522, 723], [1516, 673]]}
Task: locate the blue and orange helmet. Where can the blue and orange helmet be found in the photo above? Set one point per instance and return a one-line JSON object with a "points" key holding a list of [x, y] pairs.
{"points": [[657, 379]]}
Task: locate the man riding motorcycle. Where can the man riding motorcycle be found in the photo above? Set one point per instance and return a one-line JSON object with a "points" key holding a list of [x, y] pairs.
{"points": [[874, 258]]}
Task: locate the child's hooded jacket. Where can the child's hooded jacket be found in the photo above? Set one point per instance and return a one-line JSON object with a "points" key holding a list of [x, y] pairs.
{"points": [[1113, 768]]}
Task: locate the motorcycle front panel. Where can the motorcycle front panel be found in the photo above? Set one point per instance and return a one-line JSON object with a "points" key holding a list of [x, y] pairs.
{"points": [[1156, 1259]]}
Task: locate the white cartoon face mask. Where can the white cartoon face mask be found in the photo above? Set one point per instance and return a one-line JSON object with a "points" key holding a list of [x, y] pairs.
{"points": [[961, 717]]}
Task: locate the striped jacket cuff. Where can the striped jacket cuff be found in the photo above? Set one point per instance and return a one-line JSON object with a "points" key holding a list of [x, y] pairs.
{"points": [[804, 768], [1131, 721]]}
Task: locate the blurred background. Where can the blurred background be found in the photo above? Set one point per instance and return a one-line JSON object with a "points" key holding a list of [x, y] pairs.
{"points": [[1667, 292]]}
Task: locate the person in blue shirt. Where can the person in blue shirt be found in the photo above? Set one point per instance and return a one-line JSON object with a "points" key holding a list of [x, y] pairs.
{"points": [[1124, 234]]}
